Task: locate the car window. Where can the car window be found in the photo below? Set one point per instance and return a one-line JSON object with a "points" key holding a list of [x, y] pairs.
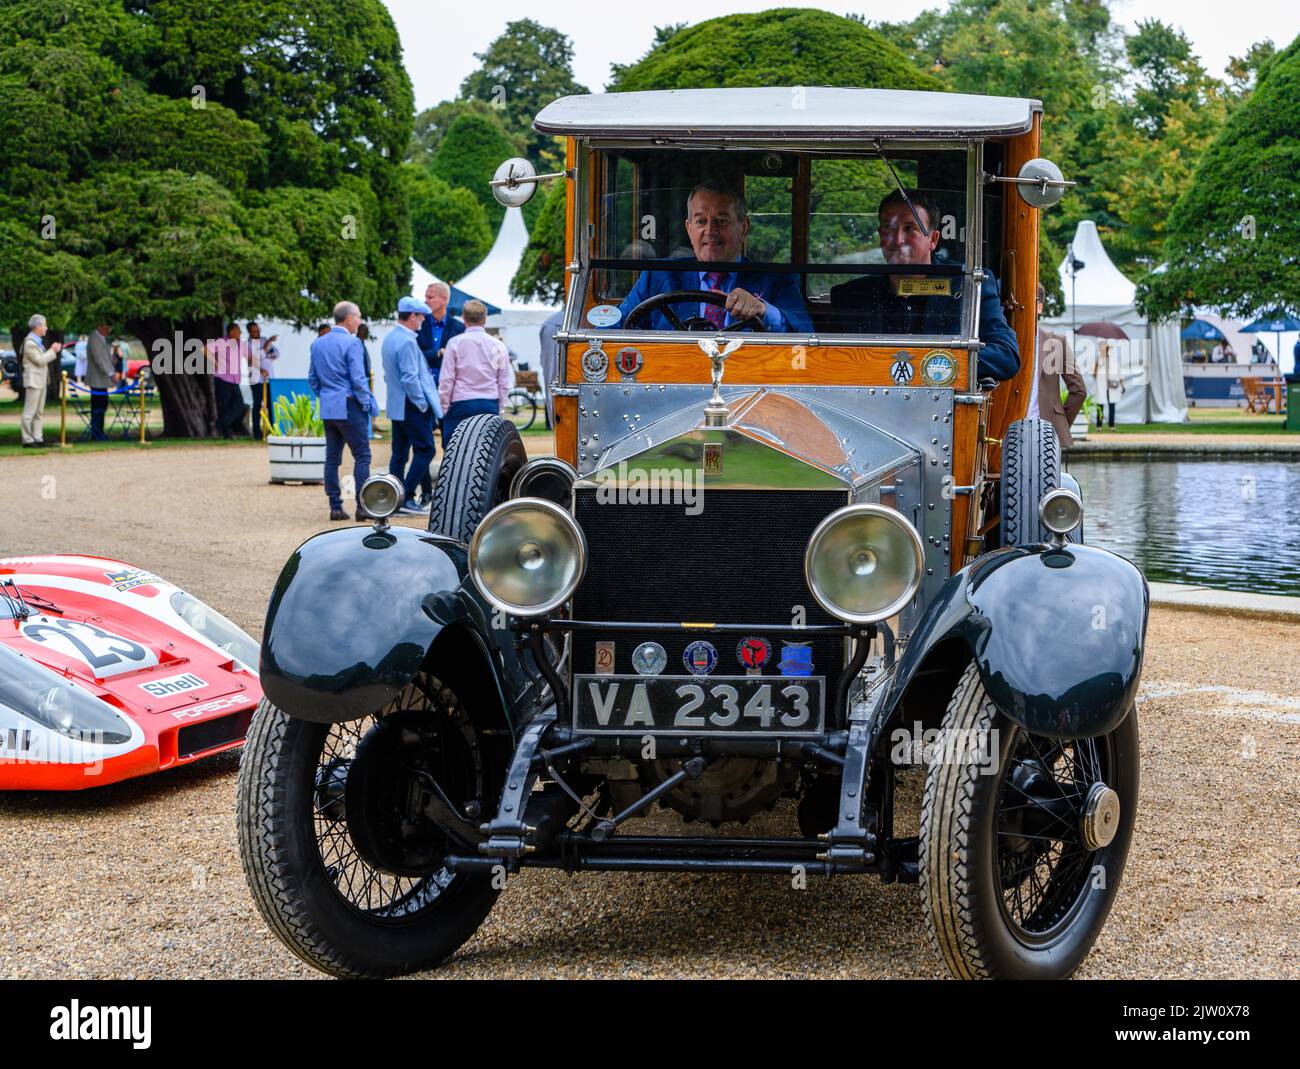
{"points": [[831, 240]]}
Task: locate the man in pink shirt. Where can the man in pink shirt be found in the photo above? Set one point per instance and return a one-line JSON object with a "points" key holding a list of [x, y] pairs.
{"points": [[475, 373], [229, 355]]}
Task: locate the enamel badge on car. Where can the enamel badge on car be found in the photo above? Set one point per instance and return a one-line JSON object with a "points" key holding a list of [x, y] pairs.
{"points": [[938, 368], [700, 658], [595, 365]]}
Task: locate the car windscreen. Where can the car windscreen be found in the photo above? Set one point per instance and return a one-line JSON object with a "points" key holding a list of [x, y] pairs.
{"points": [[872, 242]]}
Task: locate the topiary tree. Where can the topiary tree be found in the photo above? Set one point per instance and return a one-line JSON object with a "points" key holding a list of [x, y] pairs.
{"points": [[449, 228], [469, 155], [784, 47], [1233, 235]]}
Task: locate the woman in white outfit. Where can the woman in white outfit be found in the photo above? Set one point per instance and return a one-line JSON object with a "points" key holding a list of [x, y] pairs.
{"points": [[1110, 379]]}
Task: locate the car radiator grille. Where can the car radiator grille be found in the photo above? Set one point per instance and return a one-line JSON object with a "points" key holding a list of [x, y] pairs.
{"points": [[740, 560]]}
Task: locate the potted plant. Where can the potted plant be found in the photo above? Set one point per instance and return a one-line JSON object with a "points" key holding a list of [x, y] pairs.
{"points": [[297, 448], [1079, 428]]}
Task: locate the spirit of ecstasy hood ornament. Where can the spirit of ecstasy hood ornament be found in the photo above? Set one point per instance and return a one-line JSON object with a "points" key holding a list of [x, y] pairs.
{"points": [[715, 412]]}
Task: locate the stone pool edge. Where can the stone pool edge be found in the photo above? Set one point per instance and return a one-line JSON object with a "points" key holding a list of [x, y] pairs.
{"points": [[1235, 602]]}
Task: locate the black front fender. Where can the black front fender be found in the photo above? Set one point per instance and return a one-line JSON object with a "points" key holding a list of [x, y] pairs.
{"points": [[1058, 635], [345, 630]]}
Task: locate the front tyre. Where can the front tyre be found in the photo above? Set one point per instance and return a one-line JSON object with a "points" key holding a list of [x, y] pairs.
{"points": [[345, 873], [1020, 862]]}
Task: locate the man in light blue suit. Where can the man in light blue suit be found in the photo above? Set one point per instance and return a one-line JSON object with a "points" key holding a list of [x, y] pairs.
{"points": [[717, 224], [413, 406]]}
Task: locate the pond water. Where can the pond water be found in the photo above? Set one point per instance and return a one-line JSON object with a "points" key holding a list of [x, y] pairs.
{"points": [[1231, 524]]}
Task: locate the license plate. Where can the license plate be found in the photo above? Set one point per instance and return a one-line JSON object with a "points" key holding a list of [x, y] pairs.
{"points": [[698, 705]]}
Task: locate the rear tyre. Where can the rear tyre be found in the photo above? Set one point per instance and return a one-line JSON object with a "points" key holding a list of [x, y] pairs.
{"points": [[1031, 466], [1016, 883], [345, 874], [479, 463]]}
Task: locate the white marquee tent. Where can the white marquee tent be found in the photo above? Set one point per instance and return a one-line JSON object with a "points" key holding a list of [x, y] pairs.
{"points": [[519, 321], [1151, 359]]}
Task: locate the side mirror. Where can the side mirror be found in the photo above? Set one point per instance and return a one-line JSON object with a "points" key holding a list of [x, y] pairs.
{"points": [[1040, 183], [515, 182]]}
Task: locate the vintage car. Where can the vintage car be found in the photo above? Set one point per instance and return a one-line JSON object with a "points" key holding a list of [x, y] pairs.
{"points": [[798, 550], [108, 672]]}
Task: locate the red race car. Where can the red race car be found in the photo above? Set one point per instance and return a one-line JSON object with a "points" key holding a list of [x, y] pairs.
{"points": [[109, 672]]}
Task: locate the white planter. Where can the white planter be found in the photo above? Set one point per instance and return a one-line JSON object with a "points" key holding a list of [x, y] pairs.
{"points": [[296, 460], [1079, 428]]}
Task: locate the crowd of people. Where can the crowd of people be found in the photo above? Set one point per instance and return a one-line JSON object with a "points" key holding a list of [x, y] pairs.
{"points": [[438, 372], [231, 359]]}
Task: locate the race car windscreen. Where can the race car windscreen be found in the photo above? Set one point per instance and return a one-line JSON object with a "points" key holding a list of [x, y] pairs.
{"points": [[872, 243]]}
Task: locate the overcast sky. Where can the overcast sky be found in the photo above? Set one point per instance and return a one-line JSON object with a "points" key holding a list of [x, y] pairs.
{"points": [[440, 37]]}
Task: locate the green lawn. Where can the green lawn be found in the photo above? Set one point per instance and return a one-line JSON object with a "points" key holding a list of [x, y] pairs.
{"points": [[11, 432], [1203, 421]]}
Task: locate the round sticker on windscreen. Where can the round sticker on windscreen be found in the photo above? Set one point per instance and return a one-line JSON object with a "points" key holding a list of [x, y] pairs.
{"points": [[604, 315]]}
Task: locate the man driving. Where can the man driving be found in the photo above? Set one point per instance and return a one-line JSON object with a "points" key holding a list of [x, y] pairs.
{"points": [[717, 224], [886, 304]]}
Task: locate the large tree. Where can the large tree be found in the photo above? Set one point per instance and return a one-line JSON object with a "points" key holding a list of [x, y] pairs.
{"points": [[786, 47], [1234, 235], [469, 155], [450, 231], [173, 165], [432, 124], [524, 69]]}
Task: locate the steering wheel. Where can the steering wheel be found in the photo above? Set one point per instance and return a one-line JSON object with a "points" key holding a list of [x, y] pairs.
{"points": [[663, 300]]}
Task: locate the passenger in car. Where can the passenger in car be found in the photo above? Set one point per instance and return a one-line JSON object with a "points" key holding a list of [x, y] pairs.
{"points": [[717, 224], [874, 304]]}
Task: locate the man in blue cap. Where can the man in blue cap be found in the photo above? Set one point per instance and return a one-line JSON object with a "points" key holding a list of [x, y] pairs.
{"points": [[413, 407]]}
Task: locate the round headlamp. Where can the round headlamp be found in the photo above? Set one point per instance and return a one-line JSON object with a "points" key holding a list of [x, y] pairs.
{"points": [[382, 495], [546, 477], [1060, 511], [527, 556], [864, 563]]}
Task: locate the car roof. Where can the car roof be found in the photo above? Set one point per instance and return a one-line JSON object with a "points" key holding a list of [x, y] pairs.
{"points": [[782, 111]]}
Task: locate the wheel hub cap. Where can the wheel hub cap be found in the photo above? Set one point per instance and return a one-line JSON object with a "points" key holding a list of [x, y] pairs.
{"points": [[1100, 818]]}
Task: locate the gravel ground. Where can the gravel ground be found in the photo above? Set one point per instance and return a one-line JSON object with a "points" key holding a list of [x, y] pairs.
{"points": [[142, 879]]}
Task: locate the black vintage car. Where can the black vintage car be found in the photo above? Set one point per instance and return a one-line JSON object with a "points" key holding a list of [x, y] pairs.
{"points": [[798, 537]]}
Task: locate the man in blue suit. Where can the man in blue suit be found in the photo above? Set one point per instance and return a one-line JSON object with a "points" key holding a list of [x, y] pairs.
{"points": [[717, 224], [438, 328], [337, 375], [413, 406], [874, 304]]}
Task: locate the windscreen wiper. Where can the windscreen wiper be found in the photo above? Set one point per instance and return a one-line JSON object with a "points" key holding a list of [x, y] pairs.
{"points": [[901, 191], [17, 601]]}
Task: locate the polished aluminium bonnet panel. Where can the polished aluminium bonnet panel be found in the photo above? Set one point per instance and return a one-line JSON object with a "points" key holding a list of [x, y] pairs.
{"points": [[886, 444]]}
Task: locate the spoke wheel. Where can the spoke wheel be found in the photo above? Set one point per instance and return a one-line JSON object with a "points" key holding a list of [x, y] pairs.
{"points": [[360, 836], [1024, 843], [343, 862], [1043, 865]]}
